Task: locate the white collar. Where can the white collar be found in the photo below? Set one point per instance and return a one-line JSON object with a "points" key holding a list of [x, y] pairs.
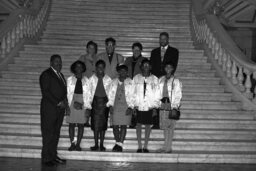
{"points": [[165, 47], [54, 70]]}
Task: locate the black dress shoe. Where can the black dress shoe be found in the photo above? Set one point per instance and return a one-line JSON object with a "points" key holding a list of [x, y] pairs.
{"points": [[145, 150], [120, 148], [115, 148], [139, 150], [102, 148], [49, 163], [60, 161], [94, 148], [78, 148], [72, 147]]}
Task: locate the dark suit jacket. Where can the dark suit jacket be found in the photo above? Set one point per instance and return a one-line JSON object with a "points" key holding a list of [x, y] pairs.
{"points": [[53, 91], [171, 55], [128, 63]]}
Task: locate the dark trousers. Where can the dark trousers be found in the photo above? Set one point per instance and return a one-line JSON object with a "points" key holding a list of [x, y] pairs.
{"points": [[51, 122]]}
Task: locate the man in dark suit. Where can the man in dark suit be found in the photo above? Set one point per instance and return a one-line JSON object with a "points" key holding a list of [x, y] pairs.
{"points": [[159, 56], [53, 106], [163, 54]]}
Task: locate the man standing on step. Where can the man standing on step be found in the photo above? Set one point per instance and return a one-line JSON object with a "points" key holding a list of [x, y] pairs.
{"points": [[160, 56], [111, 58], [53, 106]]}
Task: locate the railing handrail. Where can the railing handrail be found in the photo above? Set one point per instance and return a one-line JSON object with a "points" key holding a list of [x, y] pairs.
{"points": [[235, 69], [226, 41], [13, 18]]}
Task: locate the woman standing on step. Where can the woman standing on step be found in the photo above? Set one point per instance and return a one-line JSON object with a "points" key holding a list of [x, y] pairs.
{"points": [[171, 94], [90, 58], [146, 101], [99, 83], [121, 105], [78, 95]]}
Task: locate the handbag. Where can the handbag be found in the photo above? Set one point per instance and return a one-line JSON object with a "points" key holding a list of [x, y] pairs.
{"points": [[174, 113]]}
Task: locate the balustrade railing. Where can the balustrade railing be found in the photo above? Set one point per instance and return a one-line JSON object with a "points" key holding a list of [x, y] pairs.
{"points": [[24, 23], [234, 65]]}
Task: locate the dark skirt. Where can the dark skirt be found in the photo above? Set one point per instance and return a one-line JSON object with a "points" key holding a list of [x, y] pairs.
{"points": [[145, 117], [99, 116]]}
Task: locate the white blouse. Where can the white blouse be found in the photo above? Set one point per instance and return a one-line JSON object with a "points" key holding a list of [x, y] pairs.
{"points": [[71, 84], [175, 92], [128, 87], [150, 99], [93, 84]]}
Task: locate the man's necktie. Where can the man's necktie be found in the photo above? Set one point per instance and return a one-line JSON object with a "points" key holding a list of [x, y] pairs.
{"points": [[61, 78]]}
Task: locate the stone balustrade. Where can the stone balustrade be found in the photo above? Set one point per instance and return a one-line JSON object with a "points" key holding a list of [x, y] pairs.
{"points": [[26, 24], [233, 64]]}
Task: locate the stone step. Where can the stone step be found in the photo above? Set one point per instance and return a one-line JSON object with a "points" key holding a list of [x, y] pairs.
{"points": [[154, 31], [118, 36], [175, 157], [156, 135], [134, 10], [124, 45], [170, 21], [78, 48], [138, 10], [179, 17], [125, 51], [128, 11], [132, 145], [121, 40], [131, 2], [128, 35], [40, 54]]}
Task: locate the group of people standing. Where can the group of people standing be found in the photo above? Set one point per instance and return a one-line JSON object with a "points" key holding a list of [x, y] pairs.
{"points": [[105, 86]]}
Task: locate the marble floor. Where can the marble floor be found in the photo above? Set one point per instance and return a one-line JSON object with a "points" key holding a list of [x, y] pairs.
{"points": [[18, 164]]}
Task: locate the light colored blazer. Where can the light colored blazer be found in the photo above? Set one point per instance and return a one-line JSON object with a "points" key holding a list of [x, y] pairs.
{"points": [[71, 84], [93, 84], [151, 98], [110, 69], [128, 88], [175, 92]]}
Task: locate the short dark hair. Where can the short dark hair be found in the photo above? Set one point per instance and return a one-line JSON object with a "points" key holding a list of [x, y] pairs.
{"points": [[54, 56], [171, 64], [73, 66], [94, 44], [145, 61], [164, 34], [110, 39], [137, 44], [120, 67], [100, 62]]}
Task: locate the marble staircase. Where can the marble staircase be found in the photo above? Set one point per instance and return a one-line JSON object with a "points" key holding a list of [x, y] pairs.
{"points": [[213, 127]]}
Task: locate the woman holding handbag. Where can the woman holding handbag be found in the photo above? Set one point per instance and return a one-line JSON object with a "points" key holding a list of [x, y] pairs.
{"points": [[170, 95], [78, 95]]}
